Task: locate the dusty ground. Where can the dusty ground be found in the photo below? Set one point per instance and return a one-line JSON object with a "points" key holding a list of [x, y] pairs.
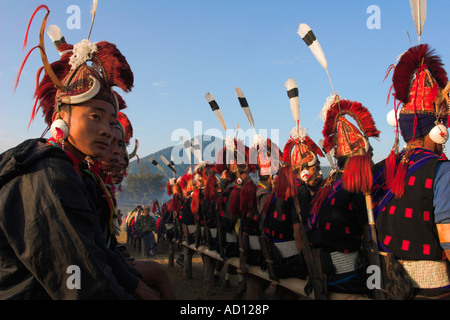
{"points": [[186, 289]]}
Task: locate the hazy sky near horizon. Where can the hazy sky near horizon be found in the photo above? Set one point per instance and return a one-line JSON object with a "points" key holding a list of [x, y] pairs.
{"points": [[181, 49]]}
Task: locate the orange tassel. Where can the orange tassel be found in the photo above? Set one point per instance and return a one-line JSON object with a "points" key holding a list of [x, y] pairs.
{"points": [[195, 202], [357, 176], [248, 197], [398, 184], [210, 188], [391, 168]]}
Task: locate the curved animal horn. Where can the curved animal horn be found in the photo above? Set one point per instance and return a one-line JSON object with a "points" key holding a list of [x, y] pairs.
{"points": [[133, 153], [47, 66], [83, 97]]}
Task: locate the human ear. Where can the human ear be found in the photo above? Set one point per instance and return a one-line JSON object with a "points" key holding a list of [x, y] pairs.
{"points": [[59, 128]]}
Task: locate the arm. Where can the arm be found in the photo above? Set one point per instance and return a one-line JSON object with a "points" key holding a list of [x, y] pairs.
{"points": [[49, 227], [298, 236], [441, 189]]}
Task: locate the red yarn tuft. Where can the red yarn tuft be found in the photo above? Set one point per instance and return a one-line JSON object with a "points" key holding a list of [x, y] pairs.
{"points": [[195, 202], [210, 188], [287, 151], [391, 168], [285, 187], [176, 202], [398, 184], [235, 202], [170, 206], [248, 197], [357, 176], [169, 189]]}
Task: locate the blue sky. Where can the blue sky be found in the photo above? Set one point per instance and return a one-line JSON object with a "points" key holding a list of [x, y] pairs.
{"points": [[181, 49]]}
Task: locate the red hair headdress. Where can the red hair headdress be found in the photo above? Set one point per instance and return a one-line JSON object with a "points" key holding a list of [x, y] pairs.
{"points": [[348, 141], [268, 156], [300, 150], [186, 180], [421, 85], [126, 126], [235, 158], [71, 80]]}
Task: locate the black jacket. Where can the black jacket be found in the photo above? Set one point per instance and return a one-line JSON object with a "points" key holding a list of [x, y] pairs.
{"points": [[47, 226]]}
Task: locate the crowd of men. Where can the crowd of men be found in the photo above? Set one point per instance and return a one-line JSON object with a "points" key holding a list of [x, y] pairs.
{"points": [[58, 206]]}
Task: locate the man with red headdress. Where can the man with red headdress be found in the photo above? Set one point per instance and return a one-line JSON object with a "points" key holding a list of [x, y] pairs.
{"points": [[412, 186], [282, 227], [234, 163], [48, 224], [252, 199], [302, 154], [338, 213]]}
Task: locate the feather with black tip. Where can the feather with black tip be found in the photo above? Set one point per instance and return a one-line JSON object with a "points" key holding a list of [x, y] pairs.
{"points": [[168, 164], [215, 108], [292, 92], [157, 165], [305, 32], [245, 107]]}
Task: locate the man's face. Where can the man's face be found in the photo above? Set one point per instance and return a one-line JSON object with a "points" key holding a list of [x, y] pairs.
{"points": [[316, 175], [90, 127], [120, 172], [113, 156]]}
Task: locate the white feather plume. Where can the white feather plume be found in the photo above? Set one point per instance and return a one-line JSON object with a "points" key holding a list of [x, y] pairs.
{"points": [[298, 133], [187, 146], [210, 99], [196, 150], [157, 165], [93, 13], [229, 143], [419, 14], [94, 7], [245, 107], [199, 166], [259, 142], [328, 103], [54, 32], [305, 32], [315, 46]]}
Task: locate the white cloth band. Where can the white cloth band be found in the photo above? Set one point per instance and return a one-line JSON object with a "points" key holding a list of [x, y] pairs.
{"points": [[253, 242], [231, 237], [344, 261], [213, 232], [427, 274], [287, 248]]}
